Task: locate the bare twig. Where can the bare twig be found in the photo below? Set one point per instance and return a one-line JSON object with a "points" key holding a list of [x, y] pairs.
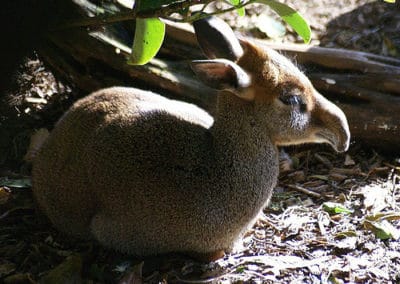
{"points": [[323, 160], [304, 190]]}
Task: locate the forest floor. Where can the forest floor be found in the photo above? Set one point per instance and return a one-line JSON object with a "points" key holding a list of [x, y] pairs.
{"points": [[334, 218]]}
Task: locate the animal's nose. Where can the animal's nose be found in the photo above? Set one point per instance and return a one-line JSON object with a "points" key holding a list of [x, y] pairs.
{"points": [[343, 143], [334, 127]]}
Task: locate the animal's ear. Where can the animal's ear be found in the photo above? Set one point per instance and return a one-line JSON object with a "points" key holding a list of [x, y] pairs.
{"points": [[217, 39], [223, 74]]}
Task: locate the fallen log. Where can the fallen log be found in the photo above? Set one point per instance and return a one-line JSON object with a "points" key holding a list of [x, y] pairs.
{"points": [[365, 86], [98, 62]]}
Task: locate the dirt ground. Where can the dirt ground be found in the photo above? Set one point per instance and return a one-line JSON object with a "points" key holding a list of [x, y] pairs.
{"points": [[334, 218]]}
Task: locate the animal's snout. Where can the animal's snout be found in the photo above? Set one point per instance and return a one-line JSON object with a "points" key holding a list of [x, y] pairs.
{"points": [[332, 124]]}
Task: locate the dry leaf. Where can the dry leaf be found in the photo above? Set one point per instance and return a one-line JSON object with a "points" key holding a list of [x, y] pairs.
{"points": [[68, 271], [4, 195], [6, 268], [375, 198], [37, 140], [337, 177], [297, 176], [285, 162], [323, 160], [19, 278], [390, 216], [348, 161], [346, 243], [344, 171], [134, 276]]}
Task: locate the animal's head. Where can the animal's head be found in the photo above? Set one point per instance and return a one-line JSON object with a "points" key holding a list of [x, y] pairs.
{"points": [[282, 96]]}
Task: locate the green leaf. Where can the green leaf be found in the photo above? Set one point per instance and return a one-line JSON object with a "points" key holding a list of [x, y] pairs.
{"points": [[149, 36], [240, 269], [291, 17], [383, 229], [335, 208], [390, 1], [16, 183], [241, 11]]}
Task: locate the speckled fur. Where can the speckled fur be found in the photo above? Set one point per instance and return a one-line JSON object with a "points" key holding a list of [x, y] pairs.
{"points": [[146, 175]]}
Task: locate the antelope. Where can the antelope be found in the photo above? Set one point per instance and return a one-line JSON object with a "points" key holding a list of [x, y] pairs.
{"points": [[146, 175]]}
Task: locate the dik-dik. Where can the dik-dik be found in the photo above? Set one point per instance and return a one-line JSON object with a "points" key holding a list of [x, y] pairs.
{"points": [[146, 175]]}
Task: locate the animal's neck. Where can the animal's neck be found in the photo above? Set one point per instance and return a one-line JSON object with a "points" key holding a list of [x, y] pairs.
{"points": [[239, 137], [246, 161]]}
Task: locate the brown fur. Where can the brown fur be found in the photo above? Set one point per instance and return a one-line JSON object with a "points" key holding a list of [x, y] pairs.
{"points": [[146, 175]]}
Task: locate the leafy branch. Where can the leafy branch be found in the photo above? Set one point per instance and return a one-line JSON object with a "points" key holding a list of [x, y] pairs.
{"points": [[163, 12], [150, 30]]}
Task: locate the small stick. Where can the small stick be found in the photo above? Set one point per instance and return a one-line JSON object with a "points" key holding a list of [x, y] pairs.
{"points": [[323, 160], [304, 190]]}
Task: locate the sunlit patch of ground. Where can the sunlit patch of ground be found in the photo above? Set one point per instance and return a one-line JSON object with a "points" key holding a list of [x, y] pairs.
{"points": [[349, 233]]}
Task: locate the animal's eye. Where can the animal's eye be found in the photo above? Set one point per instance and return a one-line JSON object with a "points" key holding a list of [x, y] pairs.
{"points": [[294, 101], [291, 100]]}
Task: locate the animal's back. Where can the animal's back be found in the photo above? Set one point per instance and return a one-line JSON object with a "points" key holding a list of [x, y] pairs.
{"points": [[122, 140]]}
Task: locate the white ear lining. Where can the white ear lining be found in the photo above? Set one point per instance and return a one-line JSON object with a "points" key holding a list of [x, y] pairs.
{"points": [[223, 74]]}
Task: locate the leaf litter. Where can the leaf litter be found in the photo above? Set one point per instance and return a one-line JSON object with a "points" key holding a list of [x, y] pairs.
{"points": [[337, 231]]}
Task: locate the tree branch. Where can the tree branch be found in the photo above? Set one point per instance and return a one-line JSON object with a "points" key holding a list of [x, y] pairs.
{"points": [[162, 12]]}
